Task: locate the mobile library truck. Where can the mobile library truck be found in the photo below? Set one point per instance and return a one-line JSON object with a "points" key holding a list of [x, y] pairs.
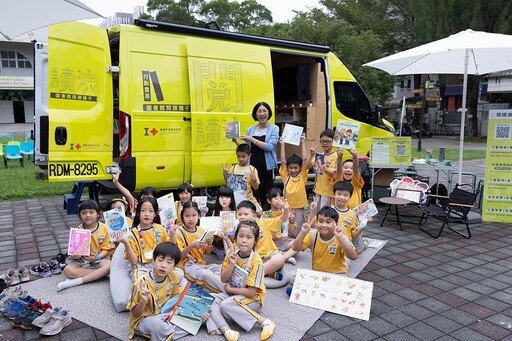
{"points": [[155, 99]]}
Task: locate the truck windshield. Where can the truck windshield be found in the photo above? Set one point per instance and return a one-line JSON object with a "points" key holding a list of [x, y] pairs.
{"points": [[352, 102]]}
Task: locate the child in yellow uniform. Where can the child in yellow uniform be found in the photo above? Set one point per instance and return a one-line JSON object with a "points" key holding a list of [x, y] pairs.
{"points": [[84, 269], [149, 191], [324, 171], [348, 170], [243, 299], [294, 178], [265, 246], [146, 234], [329, 246], [121, 202], [347, 217], [193, 248], [248, 179], [151, 292], [185, 193]]}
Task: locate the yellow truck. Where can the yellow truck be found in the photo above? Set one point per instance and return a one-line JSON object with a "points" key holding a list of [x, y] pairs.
{"points": [[155, 98]]}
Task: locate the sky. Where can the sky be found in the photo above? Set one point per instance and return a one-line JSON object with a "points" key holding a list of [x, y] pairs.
{"points": [[282, 10]]}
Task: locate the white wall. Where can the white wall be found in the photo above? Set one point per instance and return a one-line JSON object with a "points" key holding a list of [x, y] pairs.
{"points": [[6, 112]]}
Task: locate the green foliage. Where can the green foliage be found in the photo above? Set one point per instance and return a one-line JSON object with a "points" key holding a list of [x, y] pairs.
{"points": [[451, 154]]}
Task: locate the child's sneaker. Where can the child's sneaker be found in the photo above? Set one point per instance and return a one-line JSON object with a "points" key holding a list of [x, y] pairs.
{"points": [[54, 267], [267, 329], [26, 323], [56, 323], [12, 277], [231, 335], [41, 270], [61, 259], [24, 274], [17, 309], [43, 319]]}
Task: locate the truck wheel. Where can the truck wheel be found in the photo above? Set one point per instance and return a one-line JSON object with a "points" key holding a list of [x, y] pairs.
{"points": [[210, 193]]}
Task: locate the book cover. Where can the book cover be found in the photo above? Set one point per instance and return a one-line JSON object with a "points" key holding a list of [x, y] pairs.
{"points": [[365, 210], [346, 134], [115, 219], [238, 277], [210, 223], [207, 234], [79, 242], [335, 293], [201, 202], [291, 134], [319, 162], [233, 130], [238, 184], [227, 222], [190, 307], [167, 209]]}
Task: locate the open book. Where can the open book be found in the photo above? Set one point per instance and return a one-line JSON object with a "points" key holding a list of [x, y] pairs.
{"points": [[366, 210], [190, 307], [238, 277], [115, 219], [291, 134], [79, 242], [207, 234]]}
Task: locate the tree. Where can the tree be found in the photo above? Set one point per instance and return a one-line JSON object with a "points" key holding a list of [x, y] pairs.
{"points": [[184, 12]]}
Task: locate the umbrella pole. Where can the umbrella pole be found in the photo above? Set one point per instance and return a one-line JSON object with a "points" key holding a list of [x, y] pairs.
{"points": [[463, 115], [402, 115]]}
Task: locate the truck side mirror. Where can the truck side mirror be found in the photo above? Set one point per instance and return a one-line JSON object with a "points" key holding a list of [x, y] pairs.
{"points": [[378, 113]]}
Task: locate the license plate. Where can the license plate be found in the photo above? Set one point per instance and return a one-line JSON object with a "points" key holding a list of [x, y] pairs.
{"points": [[73, 169]]}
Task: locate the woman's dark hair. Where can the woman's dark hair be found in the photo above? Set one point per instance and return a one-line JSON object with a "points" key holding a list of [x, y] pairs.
{"points": [[224, 191], [167, 249], [89, 205], [148, 192], [255, 110], [185, 187], [153, 202], [253, 225], [190, 204]]}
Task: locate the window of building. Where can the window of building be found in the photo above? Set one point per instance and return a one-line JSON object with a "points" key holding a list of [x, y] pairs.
{"points": [[14, 60]]}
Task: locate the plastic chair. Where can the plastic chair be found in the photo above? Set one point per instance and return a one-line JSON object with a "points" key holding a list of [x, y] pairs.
{"points": [[13, 152], [451, 209], [27, 149], [16, 143]]}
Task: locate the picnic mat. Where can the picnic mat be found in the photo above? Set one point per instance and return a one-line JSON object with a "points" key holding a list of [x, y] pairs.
{"points": [[92, 304]]}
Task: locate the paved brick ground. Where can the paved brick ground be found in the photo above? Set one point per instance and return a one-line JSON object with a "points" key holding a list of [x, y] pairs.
{"points": [[425, 289]]}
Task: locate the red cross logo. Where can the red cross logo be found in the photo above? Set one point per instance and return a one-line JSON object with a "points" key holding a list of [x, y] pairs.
{"points": [[78, 146], [153, 131]]}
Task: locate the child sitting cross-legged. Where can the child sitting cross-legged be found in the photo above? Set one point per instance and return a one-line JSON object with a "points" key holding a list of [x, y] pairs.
{"points": [[152, 291], [242, 300]]}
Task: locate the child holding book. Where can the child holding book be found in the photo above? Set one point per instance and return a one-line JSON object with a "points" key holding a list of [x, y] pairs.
{"points": [[188, 238], [83, 269], [348, 170], [151, 292], [245, 177], [294, 178], [273, 260], [243, 299], [132, 202], [121, 202], [146, 234], [329, 246], [185, 193], [348, 220], [325, 169]]}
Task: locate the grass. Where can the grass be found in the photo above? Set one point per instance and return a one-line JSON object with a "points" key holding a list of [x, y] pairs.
{"points": [[451, 154], [19, 182]]}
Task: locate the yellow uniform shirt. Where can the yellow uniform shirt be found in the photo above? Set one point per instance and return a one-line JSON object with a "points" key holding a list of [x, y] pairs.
{"points": [[295, 187], [143, 248], [323, 185], [183, 239], [99, 239], [168, 288], [255, 277], [284, 226], [179, 208], [356, 199], [348, 221], [265, 245], [328, 255]]}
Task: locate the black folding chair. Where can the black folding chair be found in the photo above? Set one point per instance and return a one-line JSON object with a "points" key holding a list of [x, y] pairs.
{"points": [[450, 209]]}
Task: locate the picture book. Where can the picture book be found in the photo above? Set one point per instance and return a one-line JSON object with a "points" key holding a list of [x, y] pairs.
{"points": [[227, 222], [238, 277], [188, 311], [207, 234], [335, 293], [201, 202], [79, 242], [365, 210], [291, 134], [210, 223], [319, 162], [346, 134], [167, 209], [115, 219], [233, 130], [238, 184]]}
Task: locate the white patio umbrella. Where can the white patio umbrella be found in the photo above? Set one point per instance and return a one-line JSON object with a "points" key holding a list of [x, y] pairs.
{"points": [[21, 16], [466, 52]]}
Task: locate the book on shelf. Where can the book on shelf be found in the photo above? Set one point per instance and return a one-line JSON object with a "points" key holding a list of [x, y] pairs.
{"points": [[115, 219], [192, 304], [79, 242], [238, 277]]}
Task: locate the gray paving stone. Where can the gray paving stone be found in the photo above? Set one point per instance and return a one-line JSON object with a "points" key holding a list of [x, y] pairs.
{"points": [[442, 284], [443, 324], [319, 327], [468, 334], [386, 273], [492, 303], [466, 293], [460, 316], [432, 304], [357, 332], [331, 336], [421, 276], [398, 318], [501, 320], [457, 280], [423, 331], [394, 300], [502, 296], [82, 334], [400, 335], [390, 285], [411, 294], [379, 326], [417, 311], [480, 288], [336, 321]]}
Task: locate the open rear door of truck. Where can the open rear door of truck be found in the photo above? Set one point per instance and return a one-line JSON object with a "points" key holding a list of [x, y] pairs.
{"points": [[80, 103], [226, 80]]}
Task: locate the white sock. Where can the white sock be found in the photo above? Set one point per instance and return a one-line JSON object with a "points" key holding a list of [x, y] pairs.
{"points": [[267, 321], [291, 260], [68, 283]]}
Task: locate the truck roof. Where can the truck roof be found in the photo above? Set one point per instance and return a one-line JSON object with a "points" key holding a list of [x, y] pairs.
{"points": [[204, 32]]}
